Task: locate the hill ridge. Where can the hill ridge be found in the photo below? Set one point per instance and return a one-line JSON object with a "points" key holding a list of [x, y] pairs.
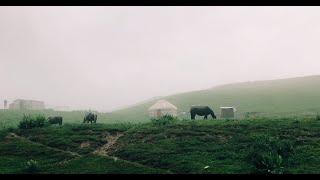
{"points": [[294, 95], [213, 87]]}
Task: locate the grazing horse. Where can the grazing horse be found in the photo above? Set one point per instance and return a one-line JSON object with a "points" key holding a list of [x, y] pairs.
{"points": [[55, 120], [90, 117], [201, 111]]}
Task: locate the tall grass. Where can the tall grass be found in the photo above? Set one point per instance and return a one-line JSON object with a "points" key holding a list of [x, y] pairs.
{"points": [[164, 120], [29, 122], [270, 155]]}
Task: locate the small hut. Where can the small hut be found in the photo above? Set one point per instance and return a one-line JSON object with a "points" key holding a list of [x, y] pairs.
{"points": [[227, 112], [161, 108]]}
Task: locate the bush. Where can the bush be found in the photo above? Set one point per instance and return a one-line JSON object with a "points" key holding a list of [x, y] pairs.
{"points": [[270, 155], [29, 122], [32, 166], [164, 120], [318, 117]]}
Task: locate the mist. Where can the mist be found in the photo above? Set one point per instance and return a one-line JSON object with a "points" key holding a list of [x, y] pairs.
{"points": [[104, 58]]}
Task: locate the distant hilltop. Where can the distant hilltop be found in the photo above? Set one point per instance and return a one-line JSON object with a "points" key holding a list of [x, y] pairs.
{"points": [[299, 95]]}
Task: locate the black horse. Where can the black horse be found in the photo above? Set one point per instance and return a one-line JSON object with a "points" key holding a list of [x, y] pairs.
{"points": [[90, 117], [201, 111], [55, 120]]}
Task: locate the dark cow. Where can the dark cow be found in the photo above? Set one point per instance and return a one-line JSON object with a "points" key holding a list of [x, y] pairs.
{"points": [[90, 117], [55, 120], [201, 111]]}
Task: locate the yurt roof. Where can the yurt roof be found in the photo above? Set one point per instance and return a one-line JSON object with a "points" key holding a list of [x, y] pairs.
{"points": [[162, 104]]}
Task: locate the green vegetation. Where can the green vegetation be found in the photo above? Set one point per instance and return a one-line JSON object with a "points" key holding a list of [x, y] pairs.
{"points": [[29, 122], [93, 164], [226, 146], [164, 120], [11, 118], [277, 131], [32, 166], [263, 145], [70, 136], [26, 151], [295, 97], [270, 155]]}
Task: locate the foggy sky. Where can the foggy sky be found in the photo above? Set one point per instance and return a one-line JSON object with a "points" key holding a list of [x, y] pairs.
{"points": [[108, 57]]}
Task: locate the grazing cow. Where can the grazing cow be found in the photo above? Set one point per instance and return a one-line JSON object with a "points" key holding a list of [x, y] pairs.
{"points": [[55, 120], [201, 111], [90, 117]]}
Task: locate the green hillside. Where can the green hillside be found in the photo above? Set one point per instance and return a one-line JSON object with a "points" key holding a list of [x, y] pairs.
{"points": [[283, 145], [58, 150], [284, 140], [284, 97]]}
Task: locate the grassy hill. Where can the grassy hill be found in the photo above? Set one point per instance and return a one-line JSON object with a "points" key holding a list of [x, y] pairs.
{"points": [[284, 139], [283, 97], [285, 145]]}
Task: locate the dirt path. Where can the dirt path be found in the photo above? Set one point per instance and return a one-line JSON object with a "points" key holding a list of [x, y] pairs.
{"points": [[111, 141], [102, 151]]}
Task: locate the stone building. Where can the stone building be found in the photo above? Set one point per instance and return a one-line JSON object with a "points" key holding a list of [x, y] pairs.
{"points": [[22, 104]]}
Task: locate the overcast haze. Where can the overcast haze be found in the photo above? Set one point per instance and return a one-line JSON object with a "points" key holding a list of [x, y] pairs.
{"points": [[104, 58]]}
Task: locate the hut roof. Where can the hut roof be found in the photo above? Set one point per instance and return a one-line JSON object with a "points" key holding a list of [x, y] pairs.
{"points": [[227, 107], [162, 104]]}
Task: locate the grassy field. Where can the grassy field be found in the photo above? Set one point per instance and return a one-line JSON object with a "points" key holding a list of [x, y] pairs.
{"points": [[274, 98], [11, 118], [185, 146]]}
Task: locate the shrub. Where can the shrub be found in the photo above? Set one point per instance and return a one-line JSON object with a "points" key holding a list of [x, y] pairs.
{"points": [[164, 120], [32, 166], [40, 121], [270, 155], [10, 129], [29, 122], [318, 117]]}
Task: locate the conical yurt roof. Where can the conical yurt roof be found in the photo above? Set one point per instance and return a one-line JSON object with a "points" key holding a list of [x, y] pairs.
{"points": [[162, 104]]}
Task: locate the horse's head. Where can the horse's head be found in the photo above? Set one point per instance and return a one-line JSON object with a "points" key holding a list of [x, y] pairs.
{"points": [[213, 115]]}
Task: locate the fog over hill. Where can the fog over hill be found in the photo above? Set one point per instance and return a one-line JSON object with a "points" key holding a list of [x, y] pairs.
{"points": [[106, 58], [288, 97]]}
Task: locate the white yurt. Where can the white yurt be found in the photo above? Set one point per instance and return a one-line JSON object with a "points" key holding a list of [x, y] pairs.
{"points": [[161, 108]]}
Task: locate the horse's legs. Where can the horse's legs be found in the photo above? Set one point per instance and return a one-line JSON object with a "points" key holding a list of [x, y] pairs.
{"points": [[205, 117], [192, 115]]}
